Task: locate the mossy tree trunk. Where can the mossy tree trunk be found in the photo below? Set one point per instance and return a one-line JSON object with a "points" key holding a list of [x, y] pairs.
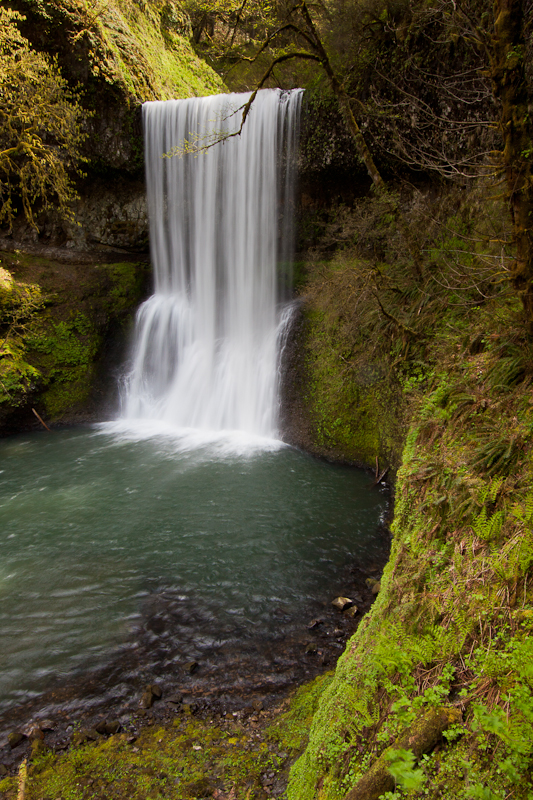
{"points": [[511, 88]]}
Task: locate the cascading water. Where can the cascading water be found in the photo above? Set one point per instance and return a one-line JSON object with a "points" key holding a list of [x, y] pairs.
{"points": [[205, 353]]}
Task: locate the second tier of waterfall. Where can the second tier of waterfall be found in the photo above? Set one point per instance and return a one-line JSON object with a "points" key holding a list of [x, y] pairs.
{"points": [[206, 342]]}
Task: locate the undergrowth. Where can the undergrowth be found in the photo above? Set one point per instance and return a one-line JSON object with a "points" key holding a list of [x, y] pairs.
{"points": [[453, 620]]}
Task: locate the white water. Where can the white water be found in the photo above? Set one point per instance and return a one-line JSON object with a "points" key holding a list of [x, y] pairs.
{"points": [[206, 342]]}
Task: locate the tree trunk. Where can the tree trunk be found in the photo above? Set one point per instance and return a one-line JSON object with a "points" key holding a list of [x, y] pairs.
{"points": [[511, 89]]}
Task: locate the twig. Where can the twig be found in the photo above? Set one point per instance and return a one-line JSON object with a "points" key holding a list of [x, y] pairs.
{"points": [[41, 420]]}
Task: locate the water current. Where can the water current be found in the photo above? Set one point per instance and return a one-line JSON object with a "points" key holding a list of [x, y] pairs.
{"points": [[95, 528]]}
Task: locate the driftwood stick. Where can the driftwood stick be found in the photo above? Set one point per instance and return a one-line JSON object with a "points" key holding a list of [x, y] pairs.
{"points": [[421, 737], [41, 420], [380, 477], [23, 774]]}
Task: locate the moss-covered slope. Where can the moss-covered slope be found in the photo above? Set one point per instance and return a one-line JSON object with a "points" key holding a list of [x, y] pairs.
{"points": [[57, 322], [140, 49], [452, 625]]}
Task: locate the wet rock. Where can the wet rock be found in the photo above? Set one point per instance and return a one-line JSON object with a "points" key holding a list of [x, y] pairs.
{"points": [[3, 770], [175, 699], [112, 727], [46, 725], [190, 667], [258, 705], [311, 648], [351, 611], [357, 598], [314, 623], [85, 735], [341, 603], [147, 699], [101, 726], [376, 587], [35, 732], [371, 582], [151, 693], [15, 738], [38, 747]]}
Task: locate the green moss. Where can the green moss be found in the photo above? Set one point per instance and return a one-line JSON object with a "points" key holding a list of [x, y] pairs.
{"points": [[454, 617], [20, 303], [65, 352], [127, 281], [141, 51], [354, 405], [190, 759], [54, 328], [292, 729]]}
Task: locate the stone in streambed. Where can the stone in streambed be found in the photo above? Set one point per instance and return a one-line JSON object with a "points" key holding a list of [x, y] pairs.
{"points": [[175, 699], [100, 727], [311, 648], [15, 738], [151, 693], [351, 611], [341, 603], [46, 724], [190, 667], [3, 770]]}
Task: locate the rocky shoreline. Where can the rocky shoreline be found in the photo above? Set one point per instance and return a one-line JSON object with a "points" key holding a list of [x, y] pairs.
{"points": [[245, 682]]}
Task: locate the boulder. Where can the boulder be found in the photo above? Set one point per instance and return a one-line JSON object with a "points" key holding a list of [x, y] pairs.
{"points": [[342, 603], [14, 738]]}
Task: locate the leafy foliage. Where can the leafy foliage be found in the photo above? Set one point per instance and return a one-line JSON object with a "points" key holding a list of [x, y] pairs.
{"points": [[40, 128]]}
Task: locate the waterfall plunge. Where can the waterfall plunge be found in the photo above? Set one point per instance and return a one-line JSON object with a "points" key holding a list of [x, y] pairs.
{"points": [[205, 354]]}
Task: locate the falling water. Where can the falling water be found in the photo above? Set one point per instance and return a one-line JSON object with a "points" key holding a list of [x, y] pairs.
{"points": [[221, 234]]}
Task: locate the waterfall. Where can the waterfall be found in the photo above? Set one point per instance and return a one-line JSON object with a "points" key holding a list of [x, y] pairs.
{"points": [[221, 237]]}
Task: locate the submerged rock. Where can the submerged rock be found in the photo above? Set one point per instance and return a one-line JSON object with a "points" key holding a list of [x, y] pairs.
{"points": [[175, 699]]}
